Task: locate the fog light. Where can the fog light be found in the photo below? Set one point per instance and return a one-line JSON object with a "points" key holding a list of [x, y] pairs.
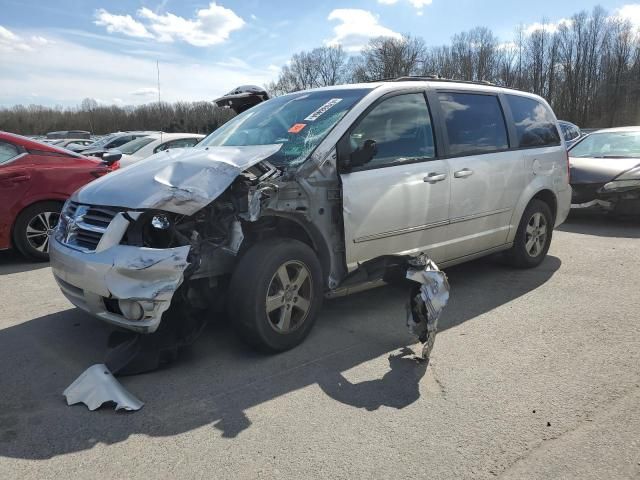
{"points": [[161, 222], [131, 310]]}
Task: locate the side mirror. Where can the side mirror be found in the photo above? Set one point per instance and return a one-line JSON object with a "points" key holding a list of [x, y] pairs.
{"points": [[112, 156], [364, 154]]}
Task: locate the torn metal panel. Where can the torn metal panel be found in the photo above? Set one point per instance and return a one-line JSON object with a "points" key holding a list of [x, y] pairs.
{"points": [[178, 181], [149, 276], [96, 386], [427, 301], [236, 238]]}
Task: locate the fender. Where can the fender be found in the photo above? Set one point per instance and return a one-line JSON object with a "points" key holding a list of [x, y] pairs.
{"points": [[537, 185]]}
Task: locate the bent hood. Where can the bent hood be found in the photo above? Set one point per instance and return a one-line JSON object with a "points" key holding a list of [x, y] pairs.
{"points": [[175, 181], [599, 170]]}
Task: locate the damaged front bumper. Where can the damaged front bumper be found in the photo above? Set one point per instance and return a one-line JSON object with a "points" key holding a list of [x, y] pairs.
{"points": [[613, 197], [127, 286]]}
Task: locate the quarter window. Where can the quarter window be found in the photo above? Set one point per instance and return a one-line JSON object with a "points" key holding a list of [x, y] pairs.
{"points": [[7, 152], [475, 123], [535, 124], [401, 128]]}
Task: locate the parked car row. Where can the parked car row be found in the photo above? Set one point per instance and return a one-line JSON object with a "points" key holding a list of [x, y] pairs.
{"points": [[36, 178]]}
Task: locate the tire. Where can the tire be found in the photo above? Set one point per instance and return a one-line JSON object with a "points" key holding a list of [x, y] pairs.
{"points": [[258, 277], [533, 237], [33, 227]]}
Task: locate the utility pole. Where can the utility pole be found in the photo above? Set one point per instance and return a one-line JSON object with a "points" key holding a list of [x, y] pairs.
{"points": [[158, 71]]}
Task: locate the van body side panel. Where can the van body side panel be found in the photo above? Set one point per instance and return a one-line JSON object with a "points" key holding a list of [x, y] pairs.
{"points": [[482, 203], [394, 211]]}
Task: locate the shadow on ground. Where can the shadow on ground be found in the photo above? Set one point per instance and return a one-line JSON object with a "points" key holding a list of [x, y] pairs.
{"points": [[217, 380], [602, 225], [12, 262]]}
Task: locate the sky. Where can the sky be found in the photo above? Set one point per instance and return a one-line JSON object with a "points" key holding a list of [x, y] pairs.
{"points": [[57, 52]]}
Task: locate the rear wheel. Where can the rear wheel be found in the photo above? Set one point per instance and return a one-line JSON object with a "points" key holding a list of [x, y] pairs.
{"points": [[275, 294], [33, 228], [533, 237]]}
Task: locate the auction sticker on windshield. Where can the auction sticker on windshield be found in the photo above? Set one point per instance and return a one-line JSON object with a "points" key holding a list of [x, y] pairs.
{"points": [[323, 109], [297, 127]]}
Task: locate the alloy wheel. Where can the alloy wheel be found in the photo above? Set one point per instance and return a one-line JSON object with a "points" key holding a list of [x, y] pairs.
{"points": [[536, 234], [289, 297], [40, 228]]}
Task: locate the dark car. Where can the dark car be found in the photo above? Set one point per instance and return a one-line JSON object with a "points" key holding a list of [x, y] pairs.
{"points": [[605, 171], [570, 132], [35, 180], [98, 148]]}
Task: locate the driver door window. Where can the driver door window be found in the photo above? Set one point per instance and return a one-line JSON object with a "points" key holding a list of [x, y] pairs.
{"points": [[401, 128]]}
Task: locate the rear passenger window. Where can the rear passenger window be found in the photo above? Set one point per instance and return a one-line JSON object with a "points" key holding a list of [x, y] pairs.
{"points": [[7, 152], [475, 123], [401, 128], [535, 124]]}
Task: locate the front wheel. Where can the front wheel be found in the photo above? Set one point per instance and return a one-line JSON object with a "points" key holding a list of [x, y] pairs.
{"points": [[275, 294], [533, 237], [34, 228]]}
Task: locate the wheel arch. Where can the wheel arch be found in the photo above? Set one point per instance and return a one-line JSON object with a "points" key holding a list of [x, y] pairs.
{"points": [[23, 208], [292, 226], [542, 193]]}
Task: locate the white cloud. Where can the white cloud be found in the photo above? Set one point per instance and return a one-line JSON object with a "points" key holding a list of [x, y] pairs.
{"points": [[417, 4], [124, 24], [420, 4], [145, 92], [356, 28], [630, 12], [10, 42], [549, 27], [234, 62], [211, 25], [64, 72]]}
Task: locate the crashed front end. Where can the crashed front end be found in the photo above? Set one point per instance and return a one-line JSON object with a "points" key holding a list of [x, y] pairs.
{"points": [[595, 188], [124, 264]]}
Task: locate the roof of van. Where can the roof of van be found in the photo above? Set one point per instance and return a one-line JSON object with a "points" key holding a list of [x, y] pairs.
{"points": [[445, 84]]}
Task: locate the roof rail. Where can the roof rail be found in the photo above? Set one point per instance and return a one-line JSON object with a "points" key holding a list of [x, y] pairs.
{"points": [[433, 78]]}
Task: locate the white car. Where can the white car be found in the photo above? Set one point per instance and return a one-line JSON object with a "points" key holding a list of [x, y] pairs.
{"points": [[315, 193], [144, 147]]}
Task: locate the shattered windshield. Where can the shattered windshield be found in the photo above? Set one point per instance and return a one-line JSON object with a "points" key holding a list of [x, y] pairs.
{"points": [[609, 145], [298, 122]]}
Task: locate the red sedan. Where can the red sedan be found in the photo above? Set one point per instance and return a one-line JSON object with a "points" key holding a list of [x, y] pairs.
{"points": [[35, 180]]}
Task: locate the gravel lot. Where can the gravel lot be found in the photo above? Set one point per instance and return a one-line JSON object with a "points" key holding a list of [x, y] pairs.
{"points": [[535, 374]]}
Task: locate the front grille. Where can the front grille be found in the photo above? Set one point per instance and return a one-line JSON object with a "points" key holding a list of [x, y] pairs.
{"points": [[82, 226]]}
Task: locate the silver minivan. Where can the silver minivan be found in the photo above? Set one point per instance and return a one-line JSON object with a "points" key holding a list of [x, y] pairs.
{"points": [[315, 193]]}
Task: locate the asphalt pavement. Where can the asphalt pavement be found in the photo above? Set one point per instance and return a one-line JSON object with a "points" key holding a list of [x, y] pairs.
{"points": [[534, 374]]}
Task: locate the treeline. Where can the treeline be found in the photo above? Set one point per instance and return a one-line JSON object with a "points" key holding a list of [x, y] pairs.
{"points": [[193, 117], [588, 67]]}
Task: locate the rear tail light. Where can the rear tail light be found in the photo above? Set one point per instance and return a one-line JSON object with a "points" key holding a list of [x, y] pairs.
{"points": [[566, 152]]}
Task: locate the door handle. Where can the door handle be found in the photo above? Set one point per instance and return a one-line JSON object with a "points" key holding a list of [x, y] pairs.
{"points": [[465, 172], [434, 177]]}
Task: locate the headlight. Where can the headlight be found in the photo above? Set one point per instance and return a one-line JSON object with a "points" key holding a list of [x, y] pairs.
{"points": [[160, 222], [621, 185]]}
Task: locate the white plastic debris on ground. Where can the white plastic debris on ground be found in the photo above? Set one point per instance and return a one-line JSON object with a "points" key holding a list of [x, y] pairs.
{"points": [[426, 305], [96, 386]]}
